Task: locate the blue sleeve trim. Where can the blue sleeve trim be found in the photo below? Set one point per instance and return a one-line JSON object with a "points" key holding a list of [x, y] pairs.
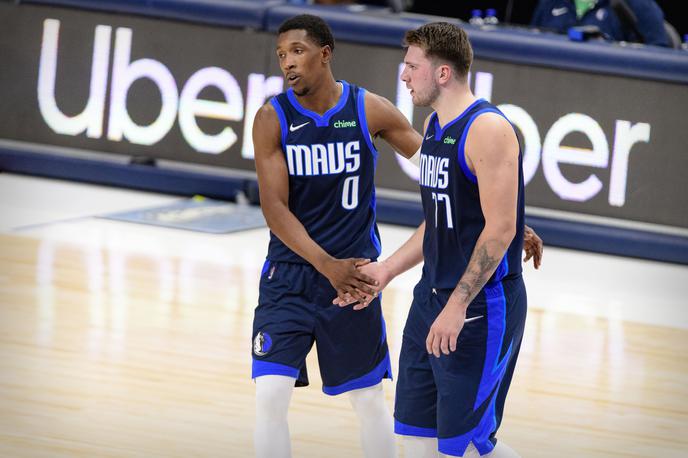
{"points": [[373, 227], [381, 371], [259, 368], [431, 122], [462, 144], [408, 430], [363, 122], [282, 120]]}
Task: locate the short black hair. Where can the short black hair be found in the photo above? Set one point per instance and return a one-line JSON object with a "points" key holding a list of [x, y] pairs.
{"points": [[316, 28]]}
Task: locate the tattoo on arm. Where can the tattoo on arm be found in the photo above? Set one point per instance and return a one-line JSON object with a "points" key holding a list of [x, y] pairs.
{"points": [[482, 265]]}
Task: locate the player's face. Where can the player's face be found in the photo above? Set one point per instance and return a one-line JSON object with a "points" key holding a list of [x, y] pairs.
{"points": [[300, 59], [419, 76]]}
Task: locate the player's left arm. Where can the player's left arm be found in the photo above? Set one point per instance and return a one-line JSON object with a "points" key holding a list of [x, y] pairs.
{"points": [[385, 120], [492, 155]]}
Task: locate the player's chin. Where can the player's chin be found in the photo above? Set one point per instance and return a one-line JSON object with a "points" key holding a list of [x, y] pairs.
{"points": [[421, 102], [298, 87], [417, 99], [300, 91]]}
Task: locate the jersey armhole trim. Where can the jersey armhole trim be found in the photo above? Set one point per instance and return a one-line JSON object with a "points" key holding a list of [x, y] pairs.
{"points": [[431, 122], [462, 144], [363, 122], [282, 120]]}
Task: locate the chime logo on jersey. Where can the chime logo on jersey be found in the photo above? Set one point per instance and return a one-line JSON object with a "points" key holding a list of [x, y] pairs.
{"points": [[262, 343], [319, 159], [434, 171], [344, 124]]}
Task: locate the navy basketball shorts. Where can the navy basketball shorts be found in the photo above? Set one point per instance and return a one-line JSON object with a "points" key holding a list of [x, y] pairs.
{"points": [[459, 398], [294, 310]]}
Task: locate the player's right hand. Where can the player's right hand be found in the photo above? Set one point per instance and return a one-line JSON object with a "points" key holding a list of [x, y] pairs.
{"points": [[376, 270], [532, 245], [347, 279]]}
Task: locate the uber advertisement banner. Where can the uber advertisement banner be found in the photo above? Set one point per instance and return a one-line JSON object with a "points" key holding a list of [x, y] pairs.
{"points": [[593, 144]]}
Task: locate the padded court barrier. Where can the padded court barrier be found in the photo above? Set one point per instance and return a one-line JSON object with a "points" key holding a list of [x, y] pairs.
{"points": [[611, 240], [567, 234], [141, 177]]}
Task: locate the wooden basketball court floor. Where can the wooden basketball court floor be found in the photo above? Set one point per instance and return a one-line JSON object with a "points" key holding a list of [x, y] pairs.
{"points": [[125, 340]]}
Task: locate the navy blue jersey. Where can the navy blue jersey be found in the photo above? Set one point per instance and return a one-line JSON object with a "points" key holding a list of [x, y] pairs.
{"points": [[451, 203], [331, 164]]}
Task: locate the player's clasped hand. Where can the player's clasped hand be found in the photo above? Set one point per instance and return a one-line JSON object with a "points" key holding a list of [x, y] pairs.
{"points": [[348, 280], [532, 244], [444, 332], [376, 270]]}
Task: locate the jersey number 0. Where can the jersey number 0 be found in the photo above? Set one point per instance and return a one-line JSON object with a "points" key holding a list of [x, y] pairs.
{"points": [[350, 193]]}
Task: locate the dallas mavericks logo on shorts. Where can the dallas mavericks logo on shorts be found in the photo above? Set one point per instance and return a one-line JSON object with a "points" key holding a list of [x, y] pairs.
{"points": [[262, 343]]}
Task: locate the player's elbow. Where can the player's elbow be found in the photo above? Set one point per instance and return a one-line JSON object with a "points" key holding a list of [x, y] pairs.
{"points": [[502, 230], [272, 211], [508, 232]]}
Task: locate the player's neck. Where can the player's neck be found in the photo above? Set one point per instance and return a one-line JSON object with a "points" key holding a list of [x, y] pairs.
{"points": [[452, 102], [322, 96]]}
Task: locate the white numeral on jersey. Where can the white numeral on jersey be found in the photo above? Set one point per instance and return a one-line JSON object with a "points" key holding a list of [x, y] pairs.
{"points": [[350, 193], [437, 197]]}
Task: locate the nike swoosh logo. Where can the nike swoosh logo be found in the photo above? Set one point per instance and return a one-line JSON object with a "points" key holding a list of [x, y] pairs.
{"points": [[293, 128], [429, 137], [559, 11], [473, 318]]}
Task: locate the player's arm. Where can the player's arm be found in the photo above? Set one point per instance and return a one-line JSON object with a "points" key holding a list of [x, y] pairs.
{"points": [[492, 154], [273, 182], [404, 258], [409, 254], [386, 121]]}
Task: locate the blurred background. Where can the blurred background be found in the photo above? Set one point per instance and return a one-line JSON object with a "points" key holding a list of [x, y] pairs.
{"points": [[131, 240]]}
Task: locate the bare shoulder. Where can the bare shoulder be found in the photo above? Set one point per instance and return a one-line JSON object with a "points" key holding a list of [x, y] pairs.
{"points": [[381, 114], [266, 129], [492, 129], [491, 137], [374, 101], [492, 124], [266, 114]]}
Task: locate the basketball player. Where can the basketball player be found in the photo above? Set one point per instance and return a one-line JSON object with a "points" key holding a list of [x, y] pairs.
{"points": [[315, 161], [464, 329]]}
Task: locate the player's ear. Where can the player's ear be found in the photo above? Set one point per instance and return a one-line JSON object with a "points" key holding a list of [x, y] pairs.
{"points": [[326, 54], [444, 73]]}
